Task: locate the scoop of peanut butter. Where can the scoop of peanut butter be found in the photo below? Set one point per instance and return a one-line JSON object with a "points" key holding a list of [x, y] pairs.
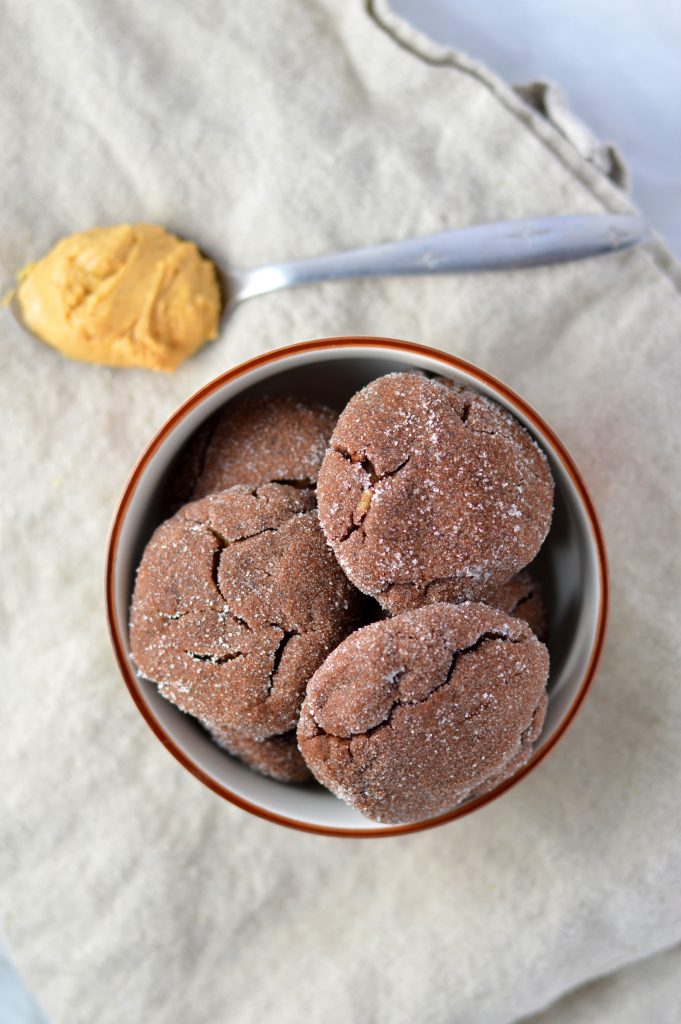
{"points": [[131, 295]]}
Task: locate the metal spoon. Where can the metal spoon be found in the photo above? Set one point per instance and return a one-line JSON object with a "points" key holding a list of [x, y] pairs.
{"points": [[505, 245], [500, 246]]}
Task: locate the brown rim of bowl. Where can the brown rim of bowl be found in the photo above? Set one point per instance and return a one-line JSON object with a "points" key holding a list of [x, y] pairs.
{"points": [[319, 345]]}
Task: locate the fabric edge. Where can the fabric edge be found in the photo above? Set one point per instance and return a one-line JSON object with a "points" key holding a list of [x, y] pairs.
{"points": [[549, 100], [539, 1016], [600, 187]]}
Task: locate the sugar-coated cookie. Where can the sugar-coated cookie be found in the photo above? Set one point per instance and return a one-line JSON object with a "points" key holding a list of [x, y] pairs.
{"points": [[412, 715], [431, 492], [237, 601], [255, 441]]}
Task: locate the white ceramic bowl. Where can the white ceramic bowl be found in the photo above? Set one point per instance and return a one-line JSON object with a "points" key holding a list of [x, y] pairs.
{"points": [[572, 566]]}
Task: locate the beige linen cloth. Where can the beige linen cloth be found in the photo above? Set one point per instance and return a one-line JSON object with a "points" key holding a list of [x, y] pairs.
{"points": [[130, 893]]}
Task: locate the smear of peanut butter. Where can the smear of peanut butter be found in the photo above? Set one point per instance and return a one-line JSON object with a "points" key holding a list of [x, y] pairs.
{"points": [[130, 295]]}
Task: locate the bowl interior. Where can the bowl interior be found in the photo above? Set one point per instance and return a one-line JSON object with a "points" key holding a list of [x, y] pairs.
{"points": [[568, 566]]}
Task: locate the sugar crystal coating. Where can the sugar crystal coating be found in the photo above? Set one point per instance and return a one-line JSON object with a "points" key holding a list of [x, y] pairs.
{"points": [[237, 601], [412, 715], [431, 492]]}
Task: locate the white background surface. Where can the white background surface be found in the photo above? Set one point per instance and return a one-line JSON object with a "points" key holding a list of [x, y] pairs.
{"points": [[618, 63]]}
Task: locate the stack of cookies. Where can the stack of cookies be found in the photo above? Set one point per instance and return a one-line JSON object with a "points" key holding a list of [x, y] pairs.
{"points": [[347, 598]]}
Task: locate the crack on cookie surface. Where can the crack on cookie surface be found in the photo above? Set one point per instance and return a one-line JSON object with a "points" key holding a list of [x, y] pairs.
{"points": [[369, 468], [239, 540], [224, 544], [523, 600], [363, 507], [300, 485], [489, 636], [287, 635], [484, 638], [423, 592], [215, 659]]}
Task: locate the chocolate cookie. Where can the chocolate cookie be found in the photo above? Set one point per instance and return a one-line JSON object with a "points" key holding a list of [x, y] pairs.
{"points": [[256, 441], [277, 757], [237, 601], [412, 715], [431, 492], [521, 596]]}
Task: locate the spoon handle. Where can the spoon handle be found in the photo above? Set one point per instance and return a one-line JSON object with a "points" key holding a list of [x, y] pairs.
{"points": [[504, 245]]}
